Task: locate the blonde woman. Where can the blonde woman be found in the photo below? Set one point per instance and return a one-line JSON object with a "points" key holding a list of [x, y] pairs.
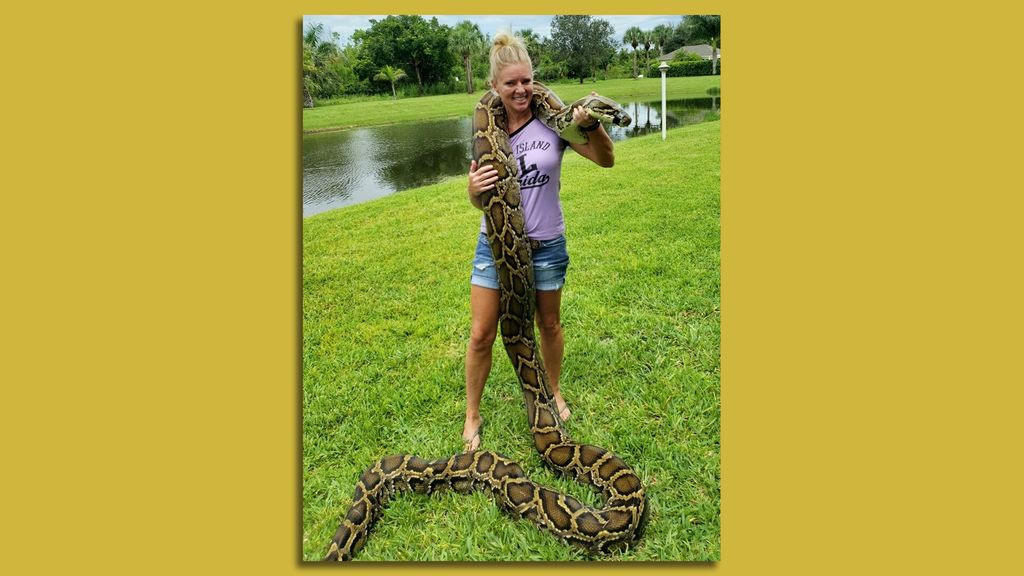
{"points": [[538, 151]]}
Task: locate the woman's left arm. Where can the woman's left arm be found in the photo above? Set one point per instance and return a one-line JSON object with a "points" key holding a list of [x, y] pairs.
{"points": [[599, 148]]}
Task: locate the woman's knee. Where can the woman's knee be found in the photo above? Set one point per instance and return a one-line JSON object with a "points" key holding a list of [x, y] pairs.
{"points": [[481, 338], [549, 326]]}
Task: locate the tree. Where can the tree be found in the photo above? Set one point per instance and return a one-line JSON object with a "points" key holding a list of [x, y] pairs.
{"points": [[307, 69], [679, 37], [534, 45], [411, 41], [633, 37], [647, 40], [349, 81], [661, 34], [466, 41], [319, 52], [584, 43], [391, 75], [708, 28]]}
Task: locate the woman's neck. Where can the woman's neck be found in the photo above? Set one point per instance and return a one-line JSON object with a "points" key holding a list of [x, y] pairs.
{"points": [[516, 121]]}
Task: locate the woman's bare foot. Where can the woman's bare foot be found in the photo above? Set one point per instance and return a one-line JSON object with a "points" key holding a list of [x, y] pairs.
{"points": [[562, 407], [471, 432], [564, 413]]}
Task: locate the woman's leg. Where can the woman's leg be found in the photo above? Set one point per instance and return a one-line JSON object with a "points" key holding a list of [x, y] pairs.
{"points": [[483, 305], [552, 343]]}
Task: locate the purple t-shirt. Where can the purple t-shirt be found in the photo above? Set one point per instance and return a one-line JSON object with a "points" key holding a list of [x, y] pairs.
{"points": [[538, 151]]}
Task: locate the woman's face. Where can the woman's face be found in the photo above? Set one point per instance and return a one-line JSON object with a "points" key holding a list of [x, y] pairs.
{"points": [[514, 84]]}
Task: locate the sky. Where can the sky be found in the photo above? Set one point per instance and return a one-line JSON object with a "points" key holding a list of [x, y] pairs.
{"points": [[541, 25]]}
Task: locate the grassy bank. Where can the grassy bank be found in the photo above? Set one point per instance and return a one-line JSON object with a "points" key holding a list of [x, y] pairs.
{"points": [[386, 321], [375, 112]]}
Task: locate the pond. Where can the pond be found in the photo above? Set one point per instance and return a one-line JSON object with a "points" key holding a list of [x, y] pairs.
{"points": [[352, 166]]}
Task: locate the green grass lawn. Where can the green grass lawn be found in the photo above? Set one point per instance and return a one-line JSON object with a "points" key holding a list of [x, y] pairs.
{"points": [[374, 112], [385, 322]]}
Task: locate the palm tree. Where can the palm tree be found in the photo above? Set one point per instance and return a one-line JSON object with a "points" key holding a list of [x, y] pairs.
{"points": [[646, 39], [307, 69], [318, 54], [466, 41], [633, 37], [534, 45], [661, 34], [391, 75], [709, 27]]}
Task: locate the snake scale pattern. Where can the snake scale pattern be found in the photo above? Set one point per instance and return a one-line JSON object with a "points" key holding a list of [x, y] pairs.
{"points": [[621, 520]]}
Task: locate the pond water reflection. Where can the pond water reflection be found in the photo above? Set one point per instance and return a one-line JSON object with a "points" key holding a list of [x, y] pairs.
{"points": [[353, 166]]}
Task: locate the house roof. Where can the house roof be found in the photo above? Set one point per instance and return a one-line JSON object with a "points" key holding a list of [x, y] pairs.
{"points": [[702, 50]]}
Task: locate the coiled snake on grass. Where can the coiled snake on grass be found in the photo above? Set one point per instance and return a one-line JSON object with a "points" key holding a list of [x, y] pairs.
{"points": [[621, 520]]}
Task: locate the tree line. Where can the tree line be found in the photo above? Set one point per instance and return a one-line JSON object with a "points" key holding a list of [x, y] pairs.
{"points": [[426, 57]]}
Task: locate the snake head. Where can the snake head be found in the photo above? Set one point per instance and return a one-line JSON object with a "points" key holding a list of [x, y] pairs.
{"points": [[608, 110], [603, 109], [609, 116]]}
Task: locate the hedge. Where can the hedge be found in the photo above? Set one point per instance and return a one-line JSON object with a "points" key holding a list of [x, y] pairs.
{"points": [[693, 68]]}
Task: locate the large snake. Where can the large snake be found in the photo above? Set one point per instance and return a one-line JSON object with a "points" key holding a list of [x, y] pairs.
{"points": [[621, 520]]}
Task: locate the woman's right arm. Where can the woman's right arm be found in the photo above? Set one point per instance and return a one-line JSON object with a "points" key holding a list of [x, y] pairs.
{"points": [[479, 181]]}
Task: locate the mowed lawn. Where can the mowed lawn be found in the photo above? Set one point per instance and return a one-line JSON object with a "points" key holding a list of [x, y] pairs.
{"points": [[362, 112], [386, 321]]}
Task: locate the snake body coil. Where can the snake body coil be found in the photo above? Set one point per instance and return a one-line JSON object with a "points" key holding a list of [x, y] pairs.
{"points": [[620, 521]]}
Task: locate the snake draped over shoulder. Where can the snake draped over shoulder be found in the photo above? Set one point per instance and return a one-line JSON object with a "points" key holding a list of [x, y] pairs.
{"points": [[621, 520]]}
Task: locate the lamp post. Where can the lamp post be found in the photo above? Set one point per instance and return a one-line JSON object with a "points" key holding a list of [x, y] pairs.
{"points": [[664, 68]]}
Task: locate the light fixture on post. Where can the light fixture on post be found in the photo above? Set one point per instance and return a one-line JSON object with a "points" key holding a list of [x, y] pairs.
{"points": [[664, 68]]}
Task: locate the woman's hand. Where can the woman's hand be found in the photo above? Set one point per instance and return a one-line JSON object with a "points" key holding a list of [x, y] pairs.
{"points": [[598, 148], [480, 180], [581, 118]]}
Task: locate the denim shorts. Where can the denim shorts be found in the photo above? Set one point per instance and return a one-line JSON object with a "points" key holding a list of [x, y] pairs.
{"points": [[550, 262]]}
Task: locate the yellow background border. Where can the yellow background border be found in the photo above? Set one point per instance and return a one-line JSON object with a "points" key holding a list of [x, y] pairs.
{"points": [[870, 287]]}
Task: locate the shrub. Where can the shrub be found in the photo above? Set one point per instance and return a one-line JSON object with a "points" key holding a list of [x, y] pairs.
{"points": [[692, 68], [413, 90], [549, 71], [683, 56]]}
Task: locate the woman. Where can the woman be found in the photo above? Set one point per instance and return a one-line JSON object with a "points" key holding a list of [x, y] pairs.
{"points": [[538, 151]]}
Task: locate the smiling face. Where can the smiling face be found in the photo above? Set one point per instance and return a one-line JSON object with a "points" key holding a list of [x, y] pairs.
{"points": [[514, 85]]}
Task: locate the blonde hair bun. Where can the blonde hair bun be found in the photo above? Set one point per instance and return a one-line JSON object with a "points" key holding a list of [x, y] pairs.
{"points": [[507, 49]]}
